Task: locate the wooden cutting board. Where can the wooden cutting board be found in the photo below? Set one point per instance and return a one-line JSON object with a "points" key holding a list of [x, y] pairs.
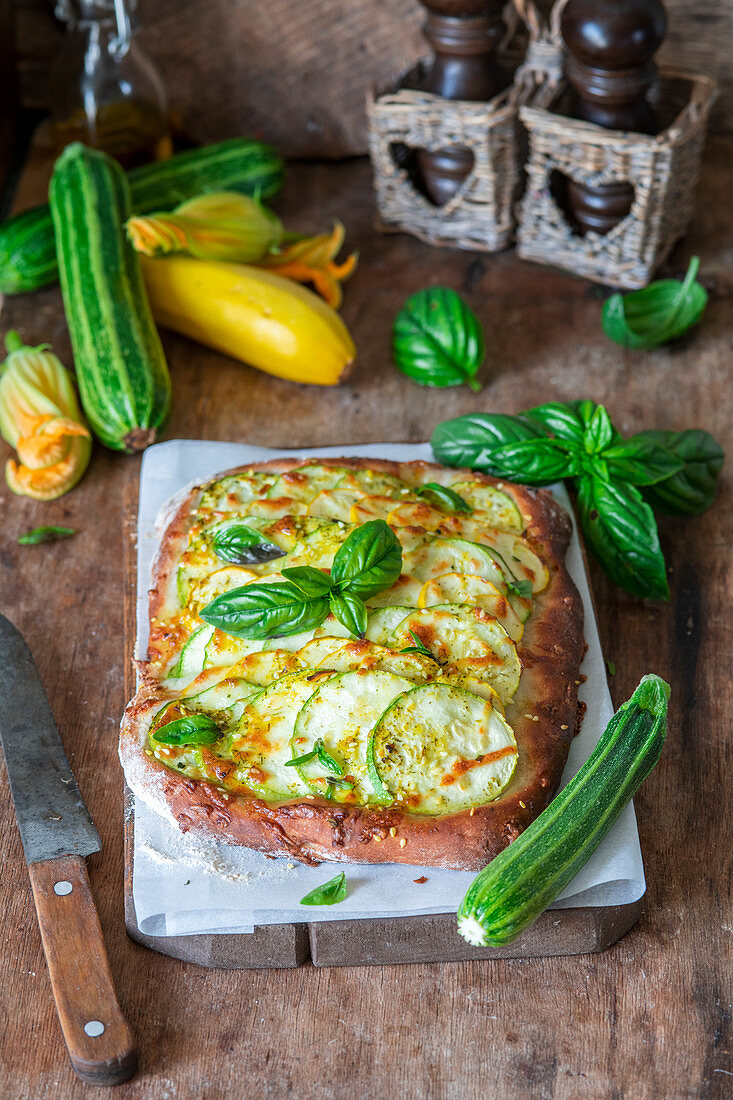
{"points": [[378, 941]]}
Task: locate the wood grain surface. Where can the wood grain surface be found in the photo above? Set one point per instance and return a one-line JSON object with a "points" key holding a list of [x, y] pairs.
{"points": [[649, 1018], [299, 71]]}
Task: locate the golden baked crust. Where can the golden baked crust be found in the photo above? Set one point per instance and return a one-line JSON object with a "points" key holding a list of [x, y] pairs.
{"points": [[542, 714]]}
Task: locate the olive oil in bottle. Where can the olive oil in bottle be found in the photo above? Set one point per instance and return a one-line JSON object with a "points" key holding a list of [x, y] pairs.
{"points": [[104, 90]]}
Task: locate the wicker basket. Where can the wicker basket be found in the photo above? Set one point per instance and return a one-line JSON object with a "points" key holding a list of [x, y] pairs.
{"points": [[663, 170], [481, 215]]}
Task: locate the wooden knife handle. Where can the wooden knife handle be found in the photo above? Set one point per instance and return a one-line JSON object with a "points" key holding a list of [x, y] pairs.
{"points": [[99, 1040]]}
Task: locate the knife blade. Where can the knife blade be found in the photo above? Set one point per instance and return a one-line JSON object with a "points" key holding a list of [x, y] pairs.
{"points": [[57, 832]]}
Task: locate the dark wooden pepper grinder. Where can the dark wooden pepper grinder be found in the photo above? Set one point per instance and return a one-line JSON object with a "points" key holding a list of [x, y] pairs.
{"points": [[464, 35], [609, 64]]}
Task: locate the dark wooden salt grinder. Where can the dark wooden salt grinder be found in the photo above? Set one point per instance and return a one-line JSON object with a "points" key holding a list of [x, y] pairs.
{"points": [[464, 35], [609, 65]]}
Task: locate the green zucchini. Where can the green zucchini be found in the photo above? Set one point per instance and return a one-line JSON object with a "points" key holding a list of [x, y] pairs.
{"points": [[27, 245], [509, 894], [123, 378]]}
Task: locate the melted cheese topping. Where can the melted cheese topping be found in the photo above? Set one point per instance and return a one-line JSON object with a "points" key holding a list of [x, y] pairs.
{"points": [[412, 715]]}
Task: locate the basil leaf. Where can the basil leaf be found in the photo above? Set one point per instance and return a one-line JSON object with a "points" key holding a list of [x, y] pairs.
{"points": [[311, 582], [692, 489], [641, 461], [304, 759], [243, 545], [657, 314], [330, 893], [368, 560], [419, 647], [259, 611], [533, 461], [620, 529], [464, 439], [437, 340], [520, 588], [350, 610], [599, 431], [327, 760], [446, 499], [195, 729], [562, 421], [45, 534]]}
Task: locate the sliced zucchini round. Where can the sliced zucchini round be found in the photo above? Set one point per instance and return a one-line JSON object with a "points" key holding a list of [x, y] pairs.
{"points": [[192, 658], [335, 504], [275, 508], [375, 483], [383, 621], [368, 655], [464, 588], [222, 650], [371, 507], [232, 493], [498, 507], [218, 582], [223, 698], [464, 639], [516, 552], [260, 744], [317, 649], [305, 482], [266, 667], [417, 513], [439, 749], [341, 715], [318, 545], [436, 556], [403, 592]]}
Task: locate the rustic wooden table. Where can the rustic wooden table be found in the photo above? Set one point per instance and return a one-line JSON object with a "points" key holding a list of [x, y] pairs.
{"points": [[650, 1017]]}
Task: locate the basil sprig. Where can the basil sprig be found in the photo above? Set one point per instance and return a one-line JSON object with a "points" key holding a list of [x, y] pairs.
{"points": [[330, 893], [657, 314], [318, 752], [437, 340], [448, 500], [618, 481], [45, 534], [369, 560], [243, 545], [193, 729]]}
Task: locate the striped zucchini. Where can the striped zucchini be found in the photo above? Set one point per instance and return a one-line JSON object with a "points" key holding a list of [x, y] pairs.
{"points": [[123, 378], [27, 245], [509, 894]]}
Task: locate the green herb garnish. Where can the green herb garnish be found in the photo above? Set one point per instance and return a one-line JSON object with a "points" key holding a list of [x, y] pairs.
{"points": [[618, 481], [657, 314], [519, 588], [446, 499], [317, 752], [419, 647], [368, 560], [437, 340], [330, 893], [45, 534], [243, 545], [194, 729]]}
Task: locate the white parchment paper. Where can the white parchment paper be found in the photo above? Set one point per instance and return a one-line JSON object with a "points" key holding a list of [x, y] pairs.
{"points": [[183, 886]]}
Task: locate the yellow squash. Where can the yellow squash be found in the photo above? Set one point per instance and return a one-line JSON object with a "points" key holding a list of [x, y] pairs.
{"points": [[269, 322]]}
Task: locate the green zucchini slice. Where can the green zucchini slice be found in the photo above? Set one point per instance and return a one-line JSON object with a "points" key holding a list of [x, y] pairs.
{"points": [[260, 744], [383, 621], [486, 500], [465, 639], [192, 658], [439, 749], [341, 715], [436, 556], [367, 655]]}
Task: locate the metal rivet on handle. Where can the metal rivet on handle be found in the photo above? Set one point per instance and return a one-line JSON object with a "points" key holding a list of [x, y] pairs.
{"points": [[94, 1028], [62, 887]]}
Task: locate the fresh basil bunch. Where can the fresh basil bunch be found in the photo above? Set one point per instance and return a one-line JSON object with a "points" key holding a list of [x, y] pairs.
{"points": [[368, 560], [618, 481]]}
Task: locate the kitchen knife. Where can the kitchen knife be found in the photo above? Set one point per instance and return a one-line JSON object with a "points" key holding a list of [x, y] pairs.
{"points": [[57, 833]]}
